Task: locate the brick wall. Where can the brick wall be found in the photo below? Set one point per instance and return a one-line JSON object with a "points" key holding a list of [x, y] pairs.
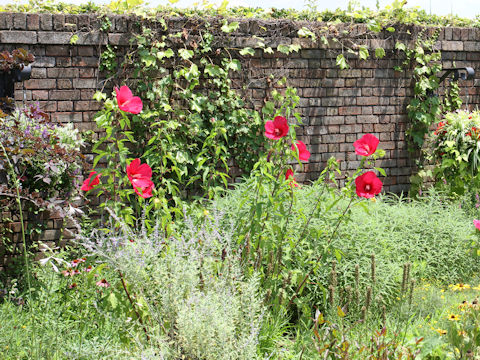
{"points": [[337, 106]]}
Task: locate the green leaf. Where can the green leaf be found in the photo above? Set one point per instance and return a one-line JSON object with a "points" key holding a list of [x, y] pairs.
{"points": [[247, 51], [228, 28], [363, 53], [342, 62], [112, 299], [379, 52], [381, 171], [285, 49], [400, 46], [73, 39], [305, 32], [185, 54], [390, 29]]}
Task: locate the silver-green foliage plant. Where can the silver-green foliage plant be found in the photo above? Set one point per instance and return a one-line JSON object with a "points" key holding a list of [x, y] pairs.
{"points": [[190, 292]]}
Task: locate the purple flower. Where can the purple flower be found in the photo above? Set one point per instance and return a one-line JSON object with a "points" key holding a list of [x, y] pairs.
{"points": [[45, 133], [27, 131]]}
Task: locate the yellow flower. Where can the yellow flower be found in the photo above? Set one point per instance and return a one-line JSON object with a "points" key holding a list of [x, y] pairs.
{"points": [[441, 331], [462, 333], [442, 297], [476, 287], [460, 287], [373, 199], [453, 317]]}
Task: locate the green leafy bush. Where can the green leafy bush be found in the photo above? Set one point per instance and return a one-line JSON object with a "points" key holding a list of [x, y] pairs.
{"points": [[45, 156], [456, 152]]}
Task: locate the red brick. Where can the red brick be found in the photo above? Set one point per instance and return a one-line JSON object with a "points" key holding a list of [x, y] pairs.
{"points": [[40, 95], [62, 73], [40, 84], [85, 51], [64, 84], [87, 72], [350, 110], [64, 94], [33, 22], [64, 61], [57, 50], [65, 105]]}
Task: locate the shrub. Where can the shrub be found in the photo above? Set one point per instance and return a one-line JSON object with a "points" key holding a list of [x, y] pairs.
{"points": [[456, 151], [45, 156], [191, 289]]}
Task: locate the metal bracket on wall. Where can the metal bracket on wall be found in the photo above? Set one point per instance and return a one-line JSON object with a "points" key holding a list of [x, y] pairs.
{"points": [[465, 73]]}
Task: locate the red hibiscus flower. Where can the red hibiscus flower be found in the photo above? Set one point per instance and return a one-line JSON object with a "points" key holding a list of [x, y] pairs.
{"points": [[90, 183], [277, 128], [127, 102], [303, 153], [368, 185], [476, 223], [366, 145], [440, 126], [289, 176], [140, 176]]}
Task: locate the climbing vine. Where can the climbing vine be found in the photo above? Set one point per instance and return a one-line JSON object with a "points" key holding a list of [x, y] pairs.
{"points": [[426, 106]]}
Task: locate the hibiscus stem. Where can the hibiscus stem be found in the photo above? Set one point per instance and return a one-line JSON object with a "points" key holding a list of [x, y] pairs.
{"points": [[317, 261], [309, 218], [133, 305], [284, 230]]}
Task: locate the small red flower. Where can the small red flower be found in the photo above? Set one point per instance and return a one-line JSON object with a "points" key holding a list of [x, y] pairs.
{"points": [[366, 145], [440, 126], [476, 223], [90, 183], [289, 176], [103, 283], [72, 286], [127, 102], [368, 185], [277, 128], [474, 132], [140, 176], [303, 153]]}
